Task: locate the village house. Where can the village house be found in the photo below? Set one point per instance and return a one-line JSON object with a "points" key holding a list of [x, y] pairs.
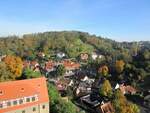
{"points": [[41, 54], [97, 105], [26, 64], [83, 78], [2, 57], [126, 89], [34, 65], [82, 89], [60, 54], [49, 66], [70, 67], [24, 96], [107, 108], [84, 56], [86, 102], [95, 55]]}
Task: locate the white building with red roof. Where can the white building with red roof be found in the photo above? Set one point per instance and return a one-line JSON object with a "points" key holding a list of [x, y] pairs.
{"points": [[24, 96]]}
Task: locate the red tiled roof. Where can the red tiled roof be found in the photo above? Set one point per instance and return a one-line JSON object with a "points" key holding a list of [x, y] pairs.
{"points": [[34, 63], [70, 65], [26, 64], [23, 88], [128, 89], [49, 65]]}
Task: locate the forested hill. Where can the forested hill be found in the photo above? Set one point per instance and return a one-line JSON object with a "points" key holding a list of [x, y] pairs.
{"points": [[70, 42]]}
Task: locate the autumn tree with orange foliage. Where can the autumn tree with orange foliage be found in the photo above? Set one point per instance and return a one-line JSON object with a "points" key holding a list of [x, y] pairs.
{"points": [[15, 65], [103, 70], [119, 66]]}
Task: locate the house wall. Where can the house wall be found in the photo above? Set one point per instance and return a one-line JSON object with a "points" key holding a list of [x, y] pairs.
{"points": [[44, 107], [41, 108]]}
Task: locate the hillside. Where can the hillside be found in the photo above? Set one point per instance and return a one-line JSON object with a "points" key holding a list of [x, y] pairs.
{"points": [[71, 42], [123, 63]]}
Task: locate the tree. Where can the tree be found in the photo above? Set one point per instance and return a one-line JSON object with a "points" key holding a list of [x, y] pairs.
{"points": [[106, 89], [29, 73], [146, 54], [57, 105], [119, 66], [133, 108], [103, 70], [60, 70], [15, 65], [5, 74], [121, 104]]}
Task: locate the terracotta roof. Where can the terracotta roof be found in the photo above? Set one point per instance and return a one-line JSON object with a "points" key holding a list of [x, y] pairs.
{"points": [[70, 64], [23, 88], [26, 64], [49, 65], [127, 89], [34, 63]]}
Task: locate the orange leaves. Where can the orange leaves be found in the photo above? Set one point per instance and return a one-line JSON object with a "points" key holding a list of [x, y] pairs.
{"points": [[119, 66], [15, 65]]}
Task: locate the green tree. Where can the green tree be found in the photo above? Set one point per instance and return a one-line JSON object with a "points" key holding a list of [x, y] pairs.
{"points": [[146, 54], [60, 70], [5, 74], [120, 102], [29, 73], [57, 105]]}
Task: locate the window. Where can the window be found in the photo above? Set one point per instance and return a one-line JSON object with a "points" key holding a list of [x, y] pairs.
{"points": [[34, 109], [20, 101], [43, 106], [23, 111], [28, 99], [33, 98], [1, 105], [15, 102], [1, 92], [8, 103]]}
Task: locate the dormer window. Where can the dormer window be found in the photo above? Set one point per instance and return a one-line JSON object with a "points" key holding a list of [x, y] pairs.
{"points": [[1, 92], [38, 85], [22, 89]]}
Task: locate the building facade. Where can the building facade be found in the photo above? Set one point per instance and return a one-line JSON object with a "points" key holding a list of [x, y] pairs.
{"points": [[24, 96]]}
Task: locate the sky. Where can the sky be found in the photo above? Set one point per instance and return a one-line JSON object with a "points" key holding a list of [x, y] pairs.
{"points": [[120, 20]]}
